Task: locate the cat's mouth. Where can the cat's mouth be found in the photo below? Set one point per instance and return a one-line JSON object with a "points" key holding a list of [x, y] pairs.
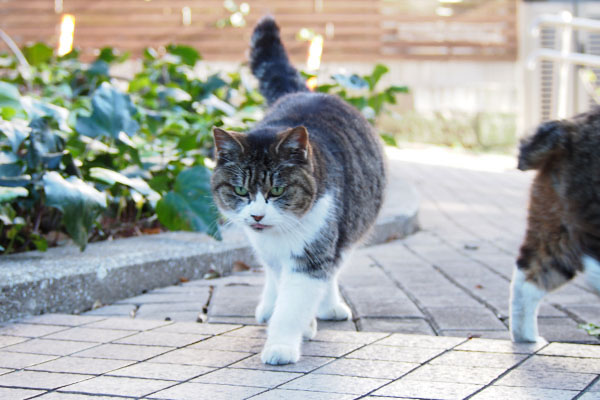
{"points": [[260, 227]]}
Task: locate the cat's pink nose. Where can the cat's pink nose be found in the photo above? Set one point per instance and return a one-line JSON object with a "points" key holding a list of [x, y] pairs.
{"points": [[257, 218]]}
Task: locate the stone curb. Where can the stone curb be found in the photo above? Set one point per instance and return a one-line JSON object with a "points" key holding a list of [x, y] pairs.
{"points": [[66, 280]]}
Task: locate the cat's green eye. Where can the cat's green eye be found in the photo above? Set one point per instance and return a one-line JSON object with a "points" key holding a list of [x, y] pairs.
{"points": [[240, 190], [276, 190]]}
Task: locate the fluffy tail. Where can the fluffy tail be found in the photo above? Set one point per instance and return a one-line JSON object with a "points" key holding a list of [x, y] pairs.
{"points": [[270, 64]]}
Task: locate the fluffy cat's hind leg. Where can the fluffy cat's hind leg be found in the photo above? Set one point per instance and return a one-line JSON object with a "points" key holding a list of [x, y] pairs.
{"points": [[591, 272], [525, 299], [265, 307], [332, 307], [297, 302]]}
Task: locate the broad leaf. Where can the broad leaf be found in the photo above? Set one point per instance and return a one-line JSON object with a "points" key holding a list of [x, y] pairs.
{"points": [[10, 99], [10, 193], [186, 54], [112, 113], [38, 109], [354, 82], [44, 144], [38, 53], [111, 177], [377, 73], [15, 131], [79, 202], [189, 205]]}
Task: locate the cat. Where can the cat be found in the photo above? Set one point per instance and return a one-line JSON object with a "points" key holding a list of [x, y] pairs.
{"points": [[306, 184], [563, 225]]}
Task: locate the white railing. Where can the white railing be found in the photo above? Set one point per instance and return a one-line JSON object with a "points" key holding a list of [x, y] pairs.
{"points": [[564, 56]]}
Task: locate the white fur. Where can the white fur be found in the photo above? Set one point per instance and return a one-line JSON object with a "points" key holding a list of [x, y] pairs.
{"points": [[290, 300], [332, 307], [295, 310], [591, 272], [525, 298]]}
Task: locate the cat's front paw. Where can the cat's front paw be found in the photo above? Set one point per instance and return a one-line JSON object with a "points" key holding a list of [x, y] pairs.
{"points": [[337, 312], [263, 312], [279, 354]]}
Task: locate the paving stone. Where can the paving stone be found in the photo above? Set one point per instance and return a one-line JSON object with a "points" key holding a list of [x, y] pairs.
{"points": [[175, 316], [305, 364], [207, 358], [5, 371], [395, 353], [326, 349], [478, 359], [571, 350], [455, 374], [403, 325], [562, 364], [286, 394], [234, 301], [18, 394], [40, 380], [595, 387], [588, 312], [78, 365], [123, 352], [197, 328], [336, 325], [111, 385], [197, 296], [202, 391], [22, 360], [430, 390], [89, 335], [546, 379], [29, 330], [381, 301], [50, 347], [589, 396], [127, 324], [427, 342], [335, 384], [561, 329], [114, 310], [231, 343], [348, 337], [10, 340], [477, 333], [256, 331], [74, 396], [218, 319], [154, 338], [508, 392], [452, 317], [247, 377], [61, 319], [171, 372], [367, 368], [499, 346]]}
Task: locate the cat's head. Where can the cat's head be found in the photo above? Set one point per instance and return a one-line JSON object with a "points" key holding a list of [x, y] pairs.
{"points": [[264, 180]]}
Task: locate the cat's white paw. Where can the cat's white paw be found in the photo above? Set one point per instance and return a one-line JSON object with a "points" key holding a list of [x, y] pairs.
{"points": [[338, 312], [263, 312], [525, 338], [310, 331], [279, 354]]}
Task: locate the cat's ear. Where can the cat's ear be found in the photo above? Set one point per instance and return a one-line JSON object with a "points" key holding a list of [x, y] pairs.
{"points": [[294, 140], [550, 139], [227, 142]]}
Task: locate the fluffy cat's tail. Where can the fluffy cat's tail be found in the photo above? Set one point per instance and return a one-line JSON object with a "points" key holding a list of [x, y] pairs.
{"points": [[269, 62]]}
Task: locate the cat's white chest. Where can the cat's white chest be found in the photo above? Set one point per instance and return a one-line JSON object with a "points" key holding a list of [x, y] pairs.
{"points": [[278, 246]]}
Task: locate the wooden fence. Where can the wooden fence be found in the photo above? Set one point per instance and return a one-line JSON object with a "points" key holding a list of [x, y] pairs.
{"points": [[354, 30]]}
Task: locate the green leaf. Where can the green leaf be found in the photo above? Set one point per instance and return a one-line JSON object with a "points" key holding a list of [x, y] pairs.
{"points": [[354, 81], [43, 143], [16, 131], [187, 54], [112, 113], [79, 202], [38, 109], [189, 205], [38, 53], [10, 193], [389, 139], [110, 55], [377, 73], [10, 99], [40, 242], [111, 177]]}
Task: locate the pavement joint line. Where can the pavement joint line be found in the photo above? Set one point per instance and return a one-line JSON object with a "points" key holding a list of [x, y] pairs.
{"points": [[352, 307], [416, 368], [507, 371], [587, 388], [459, 285], [428, 317]]}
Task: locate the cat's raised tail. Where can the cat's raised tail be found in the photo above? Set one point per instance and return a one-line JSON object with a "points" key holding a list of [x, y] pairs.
{"points": [[270, 64]]}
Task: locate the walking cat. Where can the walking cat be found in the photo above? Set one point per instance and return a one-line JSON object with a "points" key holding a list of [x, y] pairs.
{"points": [[563, 226], [305, 183]]}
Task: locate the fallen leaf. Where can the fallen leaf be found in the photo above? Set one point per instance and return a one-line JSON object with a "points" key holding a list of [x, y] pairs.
{"points": [[183, 279], [240, 266]]}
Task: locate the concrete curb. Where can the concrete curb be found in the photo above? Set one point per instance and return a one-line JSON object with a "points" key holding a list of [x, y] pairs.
{"points": [[66, 280]]}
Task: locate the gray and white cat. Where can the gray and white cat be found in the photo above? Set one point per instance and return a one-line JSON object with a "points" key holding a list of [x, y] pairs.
{"points": [[305, 184]]}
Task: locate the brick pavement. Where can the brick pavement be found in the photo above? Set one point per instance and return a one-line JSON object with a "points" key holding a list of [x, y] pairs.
{"points": [[451, 278], [70, 357]]}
